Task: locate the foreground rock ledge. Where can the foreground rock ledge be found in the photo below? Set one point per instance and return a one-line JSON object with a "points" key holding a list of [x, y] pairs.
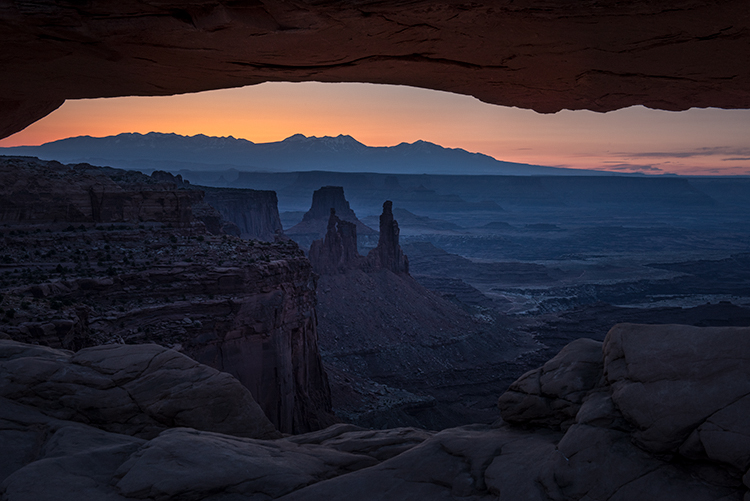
{"points": [[547, 56], [660, 414]]}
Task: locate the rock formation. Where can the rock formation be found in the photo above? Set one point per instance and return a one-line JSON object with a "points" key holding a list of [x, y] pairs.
{"points": [[243, 307], [337, 251], [547, 57], [244, 213], [254, 212], [147, 422], [387, 341], [315, 222], [138, 390], [658, 415], [388, 253], [329, 197], [34, 192]]}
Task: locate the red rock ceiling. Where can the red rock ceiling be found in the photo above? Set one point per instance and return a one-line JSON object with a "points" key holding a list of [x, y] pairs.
{"points": [[545, 55]]}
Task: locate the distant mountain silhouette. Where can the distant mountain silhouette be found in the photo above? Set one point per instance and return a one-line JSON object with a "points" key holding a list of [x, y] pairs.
{"points": [[296, 153]]}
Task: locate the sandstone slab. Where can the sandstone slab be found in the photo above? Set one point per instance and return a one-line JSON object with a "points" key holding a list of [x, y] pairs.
{"points": [[667, 380], [137, 390], [552, 395]]}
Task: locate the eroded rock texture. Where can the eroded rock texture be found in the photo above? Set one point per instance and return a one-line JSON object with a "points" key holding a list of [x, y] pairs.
{"points": [[547, 56], [337, 251], [136, 390], [625, 441], [388, 253], [241, 306], [34, 192]]}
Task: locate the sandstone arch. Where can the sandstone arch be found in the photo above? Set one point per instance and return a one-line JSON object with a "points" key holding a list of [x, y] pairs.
{"points": [[546, 55]]}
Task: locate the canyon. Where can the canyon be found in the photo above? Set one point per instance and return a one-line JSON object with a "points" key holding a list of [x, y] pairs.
{"points": [[116, 256], [112, 303], [637, 412], [398, 354]]}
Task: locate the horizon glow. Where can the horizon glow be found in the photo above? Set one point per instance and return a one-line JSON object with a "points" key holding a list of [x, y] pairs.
{"points": [[637, 139]]}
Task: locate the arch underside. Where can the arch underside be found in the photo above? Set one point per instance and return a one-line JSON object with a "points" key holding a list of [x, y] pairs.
{"points": [[544, 55]]}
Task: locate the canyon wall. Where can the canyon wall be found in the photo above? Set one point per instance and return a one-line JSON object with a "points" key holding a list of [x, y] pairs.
{"points": [[33, 192], [242, 307], [244, 213], [255, 212]]}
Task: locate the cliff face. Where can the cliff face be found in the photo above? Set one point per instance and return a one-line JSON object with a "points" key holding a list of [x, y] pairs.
{"points": [[255, 212], [32, 192], [244, 213], [243, 307]]}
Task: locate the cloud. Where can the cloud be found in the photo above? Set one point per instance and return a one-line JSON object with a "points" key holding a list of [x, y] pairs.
{"points": [[738, 153], [735, 159], [634, 168]]}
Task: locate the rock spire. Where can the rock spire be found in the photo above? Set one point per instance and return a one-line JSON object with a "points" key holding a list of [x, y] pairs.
{"points": [[388, 253], [337, 251]]}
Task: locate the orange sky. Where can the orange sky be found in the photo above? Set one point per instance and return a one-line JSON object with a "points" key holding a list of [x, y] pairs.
{"points": [[698, 141]]}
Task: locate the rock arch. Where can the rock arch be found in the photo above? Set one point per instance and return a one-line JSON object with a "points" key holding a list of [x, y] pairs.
{"points": [[544, 55]]}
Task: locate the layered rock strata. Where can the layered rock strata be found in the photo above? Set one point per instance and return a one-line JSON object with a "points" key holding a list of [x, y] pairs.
{"points": [[243, 307], [35, 192], [254, 212], [244, 213]]}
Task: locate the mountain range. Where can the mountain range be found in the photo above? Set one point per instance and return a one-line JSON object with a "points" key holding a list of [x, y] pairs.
{"points": [[173, 152]]}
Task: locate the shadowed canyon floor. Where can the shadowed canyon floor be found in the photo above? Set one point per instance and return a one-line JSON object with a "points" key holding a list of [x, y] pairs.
{"points": [[515, 291]]}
